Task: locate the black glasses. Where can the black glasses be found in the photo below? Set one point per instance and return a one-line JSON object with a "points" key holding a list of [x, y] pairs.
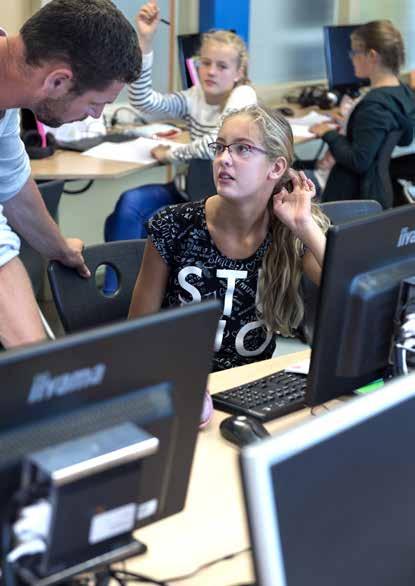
{"points": [[239, 150]]}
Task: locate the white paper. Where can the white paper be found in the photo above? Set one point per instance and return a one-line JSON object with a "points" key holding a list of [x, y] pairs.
{"points": [[132, 151], [300, 131], [301, 367], [309, 119]]}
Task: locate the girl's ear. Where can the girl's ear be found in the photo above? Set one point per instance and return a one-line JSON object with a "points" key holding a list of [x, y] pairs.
{"points": [[278, 168]]}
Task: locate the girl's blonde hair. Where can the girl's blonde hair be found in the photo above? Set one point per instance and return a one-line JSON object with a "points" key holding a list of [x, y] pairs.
{"points": [[385, 39], [231, 40], [280, 302]]}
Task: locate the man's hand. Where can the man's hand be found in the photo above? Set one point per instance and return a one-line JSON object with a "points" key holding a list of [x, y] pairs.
{"points": [[73, 257]]}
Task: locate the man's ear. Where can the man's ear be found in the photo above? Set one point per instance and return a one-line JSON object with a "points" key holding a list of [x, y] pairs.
{"points": [[58, 82], [279, 167]]}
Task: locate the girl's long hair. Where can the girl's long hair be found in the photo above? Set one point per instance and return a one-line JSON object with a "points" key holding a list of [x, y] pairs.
{"points": [[280, 303]]}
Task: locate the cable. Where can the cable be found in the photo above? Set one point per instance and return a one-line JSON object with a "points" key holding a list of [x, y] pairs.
{"points": [[123, 576], [227, 557], [137, 118], [81, 190]]}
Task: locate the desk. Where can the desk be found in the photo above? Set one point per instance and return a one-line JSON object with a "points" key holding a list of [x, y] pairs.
{"points": [[66, 165], [213, 522], [70, 165]]}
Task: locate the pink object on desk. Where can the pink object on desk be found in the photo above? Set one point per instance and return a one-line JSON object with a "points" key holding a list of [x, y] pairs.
{"points": [[42, 133], [191, 68]]}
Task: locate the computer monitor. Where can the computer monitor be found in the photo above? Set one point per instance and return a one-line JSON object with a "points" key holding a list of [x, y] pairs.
{"points": [[365, 262], [339, 66], [332, 501], [188, 47], [151, 372]]}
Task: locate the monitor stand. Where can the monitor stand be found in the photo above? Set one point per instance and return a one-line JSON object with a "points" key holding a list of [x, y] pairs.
{"points": [[97, 566]]}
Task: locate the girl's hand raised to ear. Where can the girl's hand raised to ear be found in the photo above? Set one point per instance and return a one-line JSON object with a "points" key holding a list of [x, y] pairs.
{"points": [[147, 21], [294, 209]]}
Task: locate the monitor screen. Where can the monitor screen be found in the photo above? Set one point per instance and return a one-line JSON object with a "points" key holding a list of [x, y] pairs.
{"points": [[339, 66], [331, 501], [364, 265], [188, 47], [151, 372]]}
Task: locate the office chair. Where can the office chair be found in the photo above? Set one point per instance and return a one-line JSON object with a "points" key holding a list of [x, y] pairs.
{"points": [[199, 179], [35, 264], [81, 303], [382, 166], [339, 212]]}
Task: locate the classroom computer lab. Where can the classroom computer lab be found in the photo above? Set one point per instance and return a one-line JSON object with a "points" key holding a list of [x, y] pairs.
{"points": [[207, 292]]}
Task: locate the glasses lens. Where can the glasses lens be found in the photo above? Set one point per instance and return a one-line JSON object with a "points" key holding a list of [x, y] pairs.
{"points": [[217, 148]]}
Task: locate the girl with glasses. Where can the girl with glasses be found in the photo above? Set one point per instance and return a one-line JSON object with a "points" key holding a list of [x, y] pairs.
{"points": [[224, 85], [246, 246], [377, 54]]}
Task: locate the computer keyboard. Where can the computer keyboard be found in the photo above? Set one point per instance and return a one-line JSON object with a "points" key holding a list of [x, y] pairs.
{"points": [[83, 144], [266, 398]]}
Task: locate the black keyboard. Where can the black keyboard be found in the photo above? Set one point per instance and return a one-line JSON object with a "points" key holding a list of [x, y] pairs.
{"points": [[83, 144], [266, 398]]}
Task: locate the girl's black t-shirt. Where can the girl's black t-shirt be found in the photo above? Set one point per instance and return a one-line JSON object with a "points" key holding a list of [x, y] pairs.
{"points": [[199, 271]]}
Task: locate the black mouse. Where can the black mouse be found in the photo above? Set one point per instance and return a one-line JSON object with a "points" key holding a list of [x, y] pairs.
{"points": [[242, 430], [285, 111]]}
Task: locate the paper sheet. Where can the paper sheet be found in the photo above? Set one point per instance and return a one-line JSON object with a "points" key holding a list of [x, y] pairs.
{"points": [[301, 367], [309, 119], [301, 131], [133, 151]]}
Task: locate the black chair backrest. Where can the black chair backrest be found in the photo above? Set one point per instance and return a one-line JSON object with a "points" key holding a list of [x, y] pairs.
{"points": [[80, 302], [338, 212], [382, 167], [35, 264], [199, 180]]}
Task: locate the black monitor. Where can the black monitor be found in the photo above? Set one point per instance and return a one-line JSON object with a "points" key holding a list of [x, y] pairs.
{"points": [[339, 66], [365, 263], [188, 47], [331, 501], [150, 372]]}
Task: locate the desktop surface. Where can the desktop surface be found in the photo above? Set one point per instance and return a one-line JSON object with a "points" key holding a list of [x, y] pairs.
{"points": [[213, 523]]}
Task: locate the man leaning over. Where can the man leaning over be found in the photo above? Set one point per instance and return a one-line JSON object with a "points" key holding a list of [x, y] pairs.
{"points": [[67, 62]]}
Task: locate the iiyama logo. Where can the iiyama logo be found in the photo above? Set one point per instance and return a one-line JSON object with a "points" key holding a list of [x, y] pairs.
{"points": [[44, 386], [406, 237]]}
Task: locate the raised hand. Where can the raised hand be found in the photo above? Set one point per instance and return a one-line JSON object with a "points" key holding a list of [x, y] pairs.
{"points": [[147, 21], [294, 208]]}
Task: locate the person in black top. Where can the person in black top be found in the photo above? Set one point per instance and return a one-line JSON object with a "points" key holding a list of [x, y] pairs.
{"points": [[246, 246], [377, 53]]}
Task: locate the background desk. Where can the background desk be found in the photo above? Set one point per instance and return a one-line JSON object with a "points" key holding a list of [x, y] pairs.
{"points": [[213, 523], [84, 216], [67, 165]]}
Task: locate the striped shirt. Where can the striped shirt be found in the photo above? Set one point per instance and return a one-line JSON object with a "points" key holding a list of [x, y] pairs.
{"points": [[190, 105]]}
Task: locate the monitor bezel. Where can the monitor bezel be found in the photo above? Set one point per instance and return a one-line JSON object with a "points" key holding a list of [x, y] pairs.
{"points": [[257, 460]]}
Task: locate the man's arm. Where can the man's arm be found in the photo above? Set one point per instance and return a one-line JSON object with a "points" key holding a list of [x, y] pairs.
{"points": [[27, 214]]}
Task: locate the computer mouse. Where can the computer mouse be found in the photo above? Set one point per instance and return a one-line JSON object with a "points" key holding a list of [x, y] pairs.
{"points": [[242, 430], [285, 111]]}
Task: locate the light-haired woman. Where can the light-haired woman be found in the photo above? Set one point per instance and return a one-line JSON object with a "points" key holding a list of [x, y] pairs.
{"points": [[247, 246], [223, 64]]}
